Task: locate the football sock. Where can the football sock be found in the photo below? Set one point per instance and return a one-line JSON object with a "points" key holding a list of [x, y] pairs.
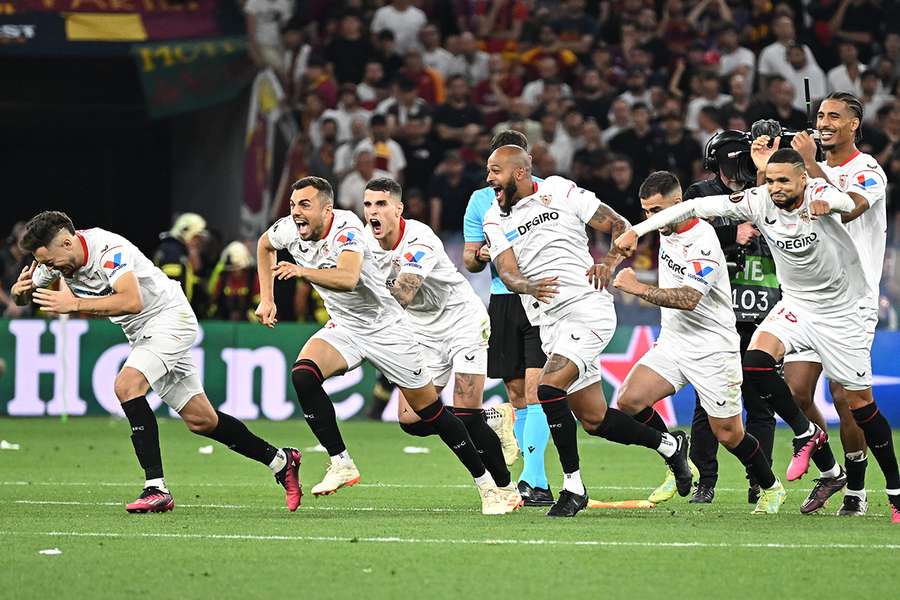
{"points": [[144, 436], [418, 429], [750, 453], [453, 433], [535, 438], [763, 384], [341, 458], [572, 482], [317, 407], [562, 425], [237, 437], [877, 431], [855, 464], [824, 460], [159, 483], [651, 418], [486, 442], [519, 427], [485, 480], [278, 462], [623, 429]]}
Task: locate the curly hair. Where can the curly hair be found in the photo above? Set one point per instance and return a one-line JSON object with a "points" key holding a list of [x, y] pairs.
{"points": [[43, 227]]}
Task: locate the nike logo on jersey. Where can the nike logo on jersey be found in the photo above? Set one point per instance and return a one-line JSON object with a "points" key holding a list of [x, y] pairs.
{"points": [[418, 372], [769, 222]]}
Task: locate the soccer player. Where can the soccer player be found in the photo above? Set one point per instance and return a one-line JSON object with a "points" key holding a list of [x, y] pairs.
{"points": [[331, 253], [514, 348], [537, 239], [103, 274], [839, 120], [822, 283], [698, 343], [449, 320]]}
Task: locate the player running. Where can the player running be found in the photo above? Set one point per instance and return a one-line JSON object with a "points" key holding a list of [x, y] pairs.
{"points": [[698, 343], [822, 282], [859, 175], [514, 349], [103, 274], [537, 239], [449, 320], [331, 253]]}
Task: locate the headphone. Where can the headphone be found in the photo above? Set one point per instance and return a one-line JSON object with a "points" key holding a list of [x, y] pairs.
{"points": [[745, 171]]}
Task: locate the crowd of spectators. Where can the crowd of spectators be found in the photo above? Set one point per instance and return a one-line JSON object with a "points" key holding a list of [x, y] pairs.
{"points": [[605, 91]]}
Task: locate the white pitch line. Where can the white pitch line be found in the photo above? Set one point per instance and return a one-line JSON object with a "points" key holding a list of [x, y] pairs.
{"points": [[245, 507], [486, 542], [623, 488]]}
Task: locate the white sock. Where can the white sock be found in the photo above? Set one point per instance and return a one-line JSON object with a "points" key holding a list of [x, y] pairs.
{"points": [[157, 483], [774, 485], [278, 462], [668, 446], [485, 480], [832, 472], [572, 482], [341, 459], [861, 494], [810, 431], [893, 492]]}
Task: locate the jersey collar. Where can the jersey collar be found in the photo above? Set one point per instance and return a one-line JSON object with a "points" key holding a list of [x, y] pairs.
{"points": [[330, 224], [83, 247], [688, 226], [852, 156], [402, 231]]}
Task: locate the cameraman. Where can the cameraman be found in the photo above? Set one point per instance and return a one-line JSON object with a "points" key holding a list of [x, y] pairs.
{"points": [[754, 290]]}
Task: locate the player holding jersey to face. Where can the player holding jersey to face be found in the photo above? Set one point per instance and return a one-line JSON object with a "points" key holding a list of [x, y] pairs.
{"points": [[331, 253], [858, 174], [448, 319], [822, 281], [698, 343], [103, 274], [537, 238]]}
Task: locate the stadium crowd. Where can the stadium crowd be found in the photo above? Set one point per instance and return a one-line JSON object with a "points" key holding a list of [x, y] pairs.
{"points": [[606, 92]]}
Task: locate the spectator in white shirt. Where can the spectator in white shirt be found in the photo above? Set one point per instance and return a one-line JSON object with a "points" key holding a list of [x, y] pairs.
{"points": [[846, 76], [264, 21], [873, 95], [387, 153], [404, 20], [619, 121], [773, 58], [348, 108], [343, 156], [353, 185], [710, 96], [732, 56], [471, 62], [371, 89], [798, 70], [557, 142], [436, 57]]}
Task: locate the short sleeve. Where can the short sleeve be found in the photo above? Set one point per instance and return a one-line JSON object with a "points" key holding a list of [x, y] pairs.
{"points": [[418, 258], [868, 183], [348, 238], [583, 202], [497, 241], [115, 262], [703, 266], [282, 233], [473, 230]]}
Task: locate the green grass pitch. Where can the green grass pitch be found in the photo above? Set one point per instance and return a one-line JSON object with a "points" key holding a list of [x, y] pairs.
{"points": [[412, 529]]}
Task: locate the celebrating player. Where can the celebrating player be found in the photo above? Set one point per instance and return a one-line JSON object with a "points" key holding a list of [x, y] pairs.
{"points": [[103, 274], [449, 320], [698, 343], [537, 239], [822, 282], [330, 252], [858, 174], [514, 349]]}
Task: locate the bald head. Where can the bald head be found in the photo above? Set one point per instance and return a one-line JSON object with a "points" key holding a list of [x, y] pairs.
{"points": [[511, 156], [509, 173]]}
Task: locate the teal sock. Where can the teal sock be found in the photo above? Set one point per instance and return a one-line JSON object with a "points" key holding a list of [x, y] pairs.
{"points": [[535, 437], [519, 426]]}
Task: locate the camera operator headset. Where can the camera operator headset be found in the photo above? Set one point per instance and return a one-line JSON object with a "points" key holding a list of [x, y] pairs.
{"points": [[754, 289]]}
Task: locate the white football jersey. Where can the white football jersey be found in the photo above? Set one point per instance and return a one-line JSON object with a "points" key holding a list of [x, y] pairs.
{"points": [[816, 260], [369, 306], [107, 257], [863, 175], [693, 257], [546, 230], [445, 296]]}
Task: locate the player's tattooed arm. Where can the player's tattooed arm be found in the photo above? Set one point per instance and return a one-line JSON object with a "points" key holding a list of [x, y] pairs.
{"points": [[606, 220], [508, 270], [405, 288], [683, 298]]}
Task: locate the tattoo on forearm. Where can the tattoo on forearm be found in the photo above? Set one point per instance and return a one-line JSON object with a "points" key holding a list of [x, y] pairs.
{"points": [[405, 288], [683, 298], [607, 220]]}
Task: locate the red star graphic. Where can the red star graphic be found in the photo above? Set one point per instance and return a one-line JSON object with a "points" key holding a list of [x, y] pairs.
{"points": [[615, 368]]}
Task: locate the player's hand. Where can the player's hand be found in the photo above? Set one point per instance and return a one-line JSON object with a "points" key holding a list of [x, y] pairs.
{"points": [[817, 208], [627, 281], [745, 233], [60, 302], [484, 254], [24, 284], [600, 275], [760, 151], [543, 289], [265, 312], [626, 243], [806, 146], [287, 270]]}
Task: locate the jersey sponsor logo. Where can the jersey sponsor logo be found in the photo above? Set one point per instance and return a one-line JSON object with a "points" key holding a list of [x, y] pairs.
{"points": [[796, 244], [865, 182], [346, 237], [115, 264], [673, 266], [702, 271], [527, 226], [414, 258]]}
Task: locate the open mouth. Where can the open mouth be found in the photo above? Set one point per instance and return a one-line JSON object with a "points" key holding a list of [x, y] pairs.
{"points": [[826, 134], [302, 226], [376, 225], [498, 192]]}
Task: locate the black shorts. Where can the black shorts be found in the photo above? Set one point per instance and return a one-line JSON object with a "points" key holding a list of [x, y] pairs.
{"points": [[515, 344]]}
